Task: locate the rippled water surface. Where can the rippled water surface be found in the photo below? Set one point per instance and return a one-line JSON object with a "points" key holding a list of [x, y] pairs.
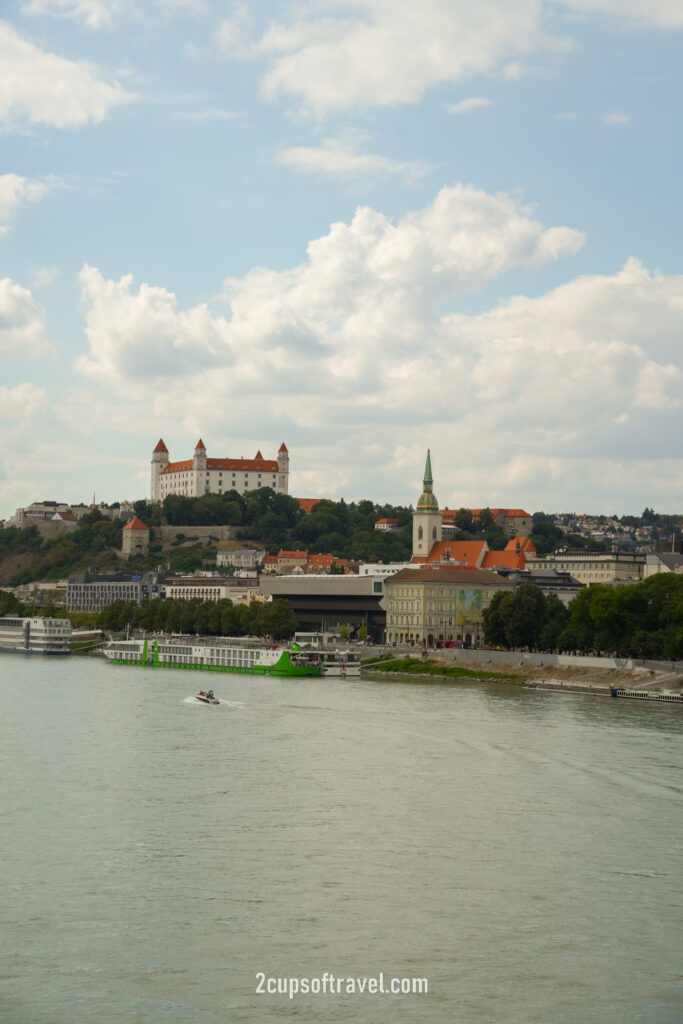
{"points": [[520, 850]]}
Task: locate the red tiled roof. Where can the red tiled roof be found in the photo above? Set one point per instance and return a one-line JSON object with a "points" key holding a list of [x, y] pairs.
{"points": [[177, 467], [516, 512], [200, 444], [67, 516], [161, 447], [326, 560], [308, 504], [470, 551], [135, 524], [247, 465], [292, 554], [506, 559], [265, 465], [283, 448], [386, 521], [269, 559], [520, 544]]}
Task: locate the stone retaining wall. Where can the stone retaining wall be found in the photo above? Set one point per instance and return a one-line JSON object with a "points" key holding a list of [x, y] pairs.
{"points": [[193, 534]]}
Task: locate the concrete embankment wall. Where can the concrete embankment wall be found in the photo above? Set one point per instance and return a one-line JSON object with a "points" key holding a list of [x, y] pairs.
{"points": [[487, 657]]}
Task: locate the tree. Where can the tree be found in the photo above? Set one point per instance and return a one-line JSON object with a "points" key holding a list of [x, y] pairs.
{"points": [[557, 616], [276, 619], [546, 536], [495, 538], [463, 520], [485, 520], [526, 616], [495, 618]]}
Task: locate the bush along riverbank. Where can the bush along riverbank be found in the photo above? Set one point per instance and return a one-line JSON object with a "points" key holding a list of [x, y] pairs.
{"points": [[429, 668]]}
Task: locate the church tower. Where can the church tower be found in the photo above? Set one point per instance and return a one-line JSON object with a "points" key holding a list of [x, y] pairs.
{"points": [[159, 463], [427, 520]]}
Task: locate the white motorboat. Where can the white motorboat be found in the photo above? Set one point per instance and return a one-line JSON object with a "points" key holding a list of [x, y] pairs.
{"points": [[207, 697]]}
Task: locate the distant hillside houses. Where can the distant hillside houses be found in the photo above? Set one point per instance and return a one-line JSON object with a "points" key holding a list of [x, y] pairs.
{"points": [[53, 517], [301, 562], [514, 522], [241, 558], [387, 525]]}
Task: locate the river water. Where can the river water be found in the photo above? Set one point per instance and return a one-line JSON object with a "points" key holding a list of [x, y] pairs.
{"points": [[520, 850]]}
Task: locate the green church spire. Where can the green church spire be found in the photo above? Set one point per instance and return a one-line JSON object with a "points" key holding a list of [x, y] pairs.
{"points": [[427, 502], [428, 481]]}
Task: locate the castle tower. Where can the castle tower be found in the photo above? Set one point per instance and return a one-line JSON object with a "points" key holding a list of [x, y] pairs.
{"points": [[199, 465], [135, 538], [159, 463], [283, 469], [427, 520]]}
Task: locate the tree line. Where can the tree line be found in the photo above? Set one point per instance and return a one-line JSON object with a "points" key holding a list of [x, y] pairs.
{"points": [[202, 618], [639, 620]]}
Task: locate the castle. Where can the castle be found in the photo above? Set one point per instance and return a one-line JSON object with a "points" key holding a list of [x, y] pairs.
{"points": [[202, 475]]}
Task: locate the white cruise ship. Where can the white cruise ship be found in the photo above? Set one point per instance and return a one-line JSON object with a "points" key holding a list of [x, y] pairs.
{"points": [[20, 635]]}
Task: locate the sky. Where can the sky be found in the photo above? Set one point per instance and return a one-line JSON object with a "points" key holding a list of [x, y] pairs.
{"points": [[364, 229]]}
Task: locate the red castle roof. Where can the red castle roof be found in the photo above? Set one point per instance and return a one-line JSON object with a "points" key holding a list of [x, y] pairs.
{"points": [[263, 465], [135, 524], [161, 447]]}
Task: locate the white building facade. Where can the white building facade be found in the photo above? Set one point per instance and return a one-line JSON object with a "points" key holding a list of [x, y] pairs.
{"points": [[203, 475]]}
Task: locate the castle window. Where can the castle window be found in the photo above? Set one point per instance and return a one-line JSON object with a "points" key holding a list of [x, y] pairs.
{"points": [[434, 533], [419, 533]]}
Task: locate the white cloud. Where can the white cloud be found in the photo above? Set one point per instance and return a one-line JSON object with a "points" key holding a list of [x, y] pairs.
{"points": [[517, 70], [137, 335], [343, 338], [206, 115], [15, 190], [521, 404], [20, 402], [341, 157], [363, 283], [40, 87], [22, 323], [465, 106], [104, 14], [43, 277], [652, 13], [659, 386], [379, 53], [232, 35], [93, 13], [387, 53], [616, 118]]}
